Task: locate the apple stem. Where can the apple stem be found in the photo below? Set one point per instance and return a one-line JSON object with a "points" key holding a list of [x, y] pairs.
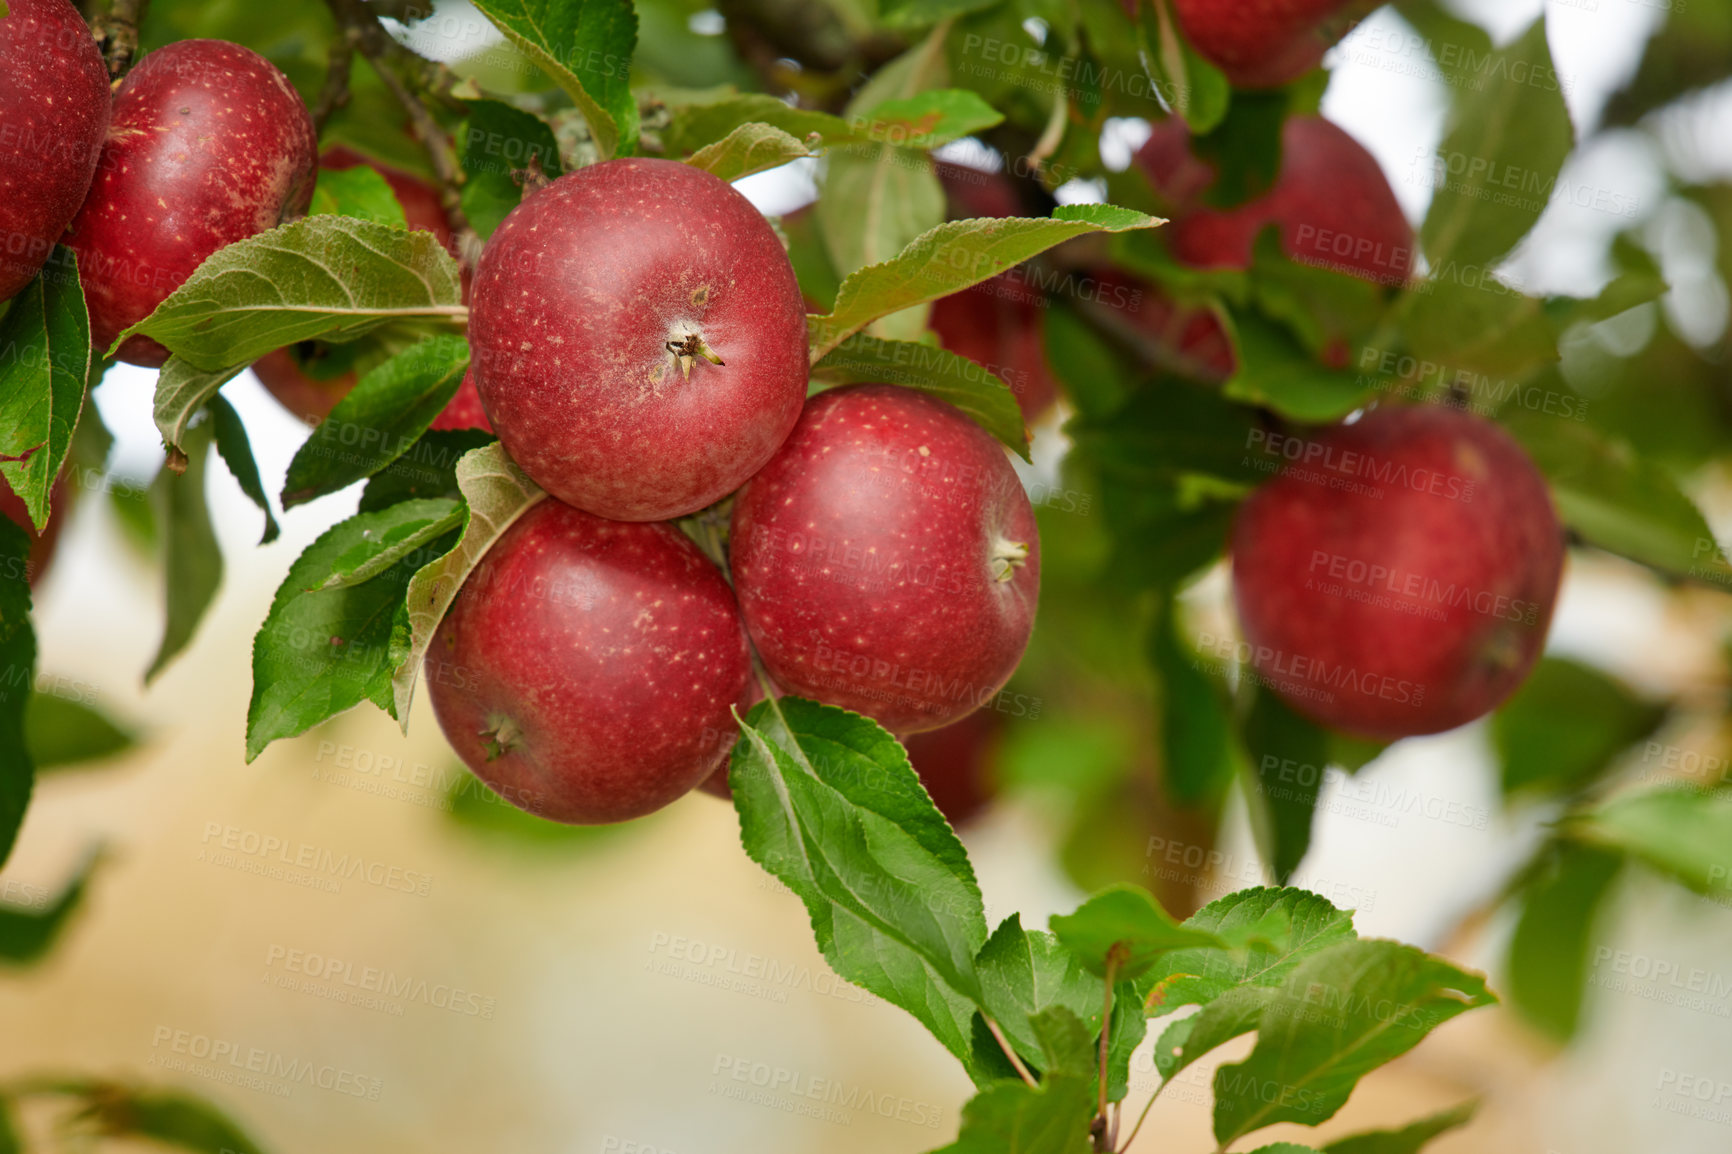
{"points": [[1007, 558]]}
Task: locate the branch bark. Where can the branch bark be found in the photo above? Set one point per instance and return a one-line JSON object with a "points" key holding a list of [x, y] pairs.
{"points": [[120, 35]]}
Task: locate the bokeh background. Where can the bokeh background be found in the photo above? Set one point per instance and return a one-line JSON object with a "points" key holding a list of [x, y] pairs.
{"points": [[577, 991]]}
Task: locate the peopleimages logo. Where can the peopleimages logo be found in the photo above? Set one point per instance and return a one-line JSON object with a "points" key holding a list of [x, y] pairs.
{"points": [[1422, 591], [1319, 455], [793, 1087]]}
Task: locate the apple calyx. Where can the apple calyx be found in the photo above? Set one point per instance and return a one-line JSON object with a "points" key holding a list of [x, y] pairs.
{"points": [[501, 737], [1007, 558], [687, 350]]}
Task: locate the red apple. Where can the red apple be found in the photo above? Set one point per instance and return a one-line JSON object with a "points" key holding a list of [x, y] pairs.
{"points": [[1331, 202], [53, 113], [1267, 43], [209, 145], [887, 559], [1187, 339], [464, 410], [954, 763], [41, 544], [640, 342], [586, 665], [1398, 577]]}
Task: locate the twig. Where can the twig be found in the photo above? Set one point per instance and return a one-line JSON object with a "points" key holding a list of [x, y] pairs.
{"points": [[335, 93], [1105, 1139], [1009, 1050], [357, 23], [120, 34], [1143, 1117]]}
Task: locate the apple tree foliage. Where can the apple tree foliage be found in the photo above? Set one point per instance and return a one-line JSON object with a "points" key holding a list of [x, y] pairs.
{"points": [[1044, 1022]]}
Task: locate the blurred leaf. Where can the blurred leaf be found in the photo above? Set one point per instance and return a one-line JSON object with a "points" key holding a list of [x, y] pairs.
{"points": [[323, 651], [1245, 148], [1458, 47], [829, 805], [1196, 720], [1329, 312], [428, 469], [1548, 955], [920, 13], [1271, 930], [478, 809], [379, 419], [1011, 1118], [1509, 139], [1689, 52], [1566, 725], [1274, 372], [237, 453], [1289, 755], [1684, 833], [586, 47], [1125, 927], [61, 732], [877, 200], [1618, 501], [329, 277], [697, 125], [168, 1116], [192, 559], [17, 676], [495, 142], [495, 493], [360, 192], [45, 335], [1196, 90], [1408, 1139], [864, 359], [1168, 429], [1066, 1045], [748, 149], [1341, 1013], [1233, 1013], [1457, 328], [10, 1142], [1093, 376], [952, 257], [1023, 973], [26, 935], [1624, 292], [812, 267]]}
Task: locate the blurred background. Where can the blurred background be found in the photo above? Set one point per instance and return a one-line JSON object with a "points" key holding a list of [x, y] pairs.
{"points": [[461, 977]]}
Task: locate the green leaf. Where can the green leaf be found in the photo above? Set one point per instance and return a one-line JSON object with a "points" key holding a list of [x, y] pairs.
{"points": [[921, 13], [1066, 1045], [1011, 1118], [1341, 1013], [62, 731], [379, 420], [1566, 725], [1274, 372], [1197, 751], [17, 676], [1549, 952], [237, 453], [1407, 1140], [924, 120], [428, 469], [360, 192], [747, 149], [829, 805], [182, 392], [1458, 330], [698, 126], [1023, 974], [877, 199], [1288, 757], [1285, 1148], [1233, 1014], [1276, 930], [866, 359], [26, 935], [953, 256], [495, 493], [372, 557], [495, 142], [1195, 89], [1125, 926], [1500, 158], [10, 1143], [192, 559], [168, 1116], [1684, 833], [44, 360], [586, 47], [331, 278], [322, 651], [1619, 501], [1330, 312]]}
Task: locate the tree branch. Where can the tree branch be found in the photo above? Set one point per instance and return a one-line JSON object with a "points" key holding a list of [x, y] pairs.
{"points": [[361, 29], [120, 35], [335, 93]]}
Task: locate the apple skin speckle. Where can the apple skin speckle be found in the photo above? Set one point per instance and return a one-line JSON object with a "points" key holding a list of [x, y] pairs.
{"points": [[1403, 581], [872, 575], [604, 656], [577, 297], [54, 111], [209, 144]]}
